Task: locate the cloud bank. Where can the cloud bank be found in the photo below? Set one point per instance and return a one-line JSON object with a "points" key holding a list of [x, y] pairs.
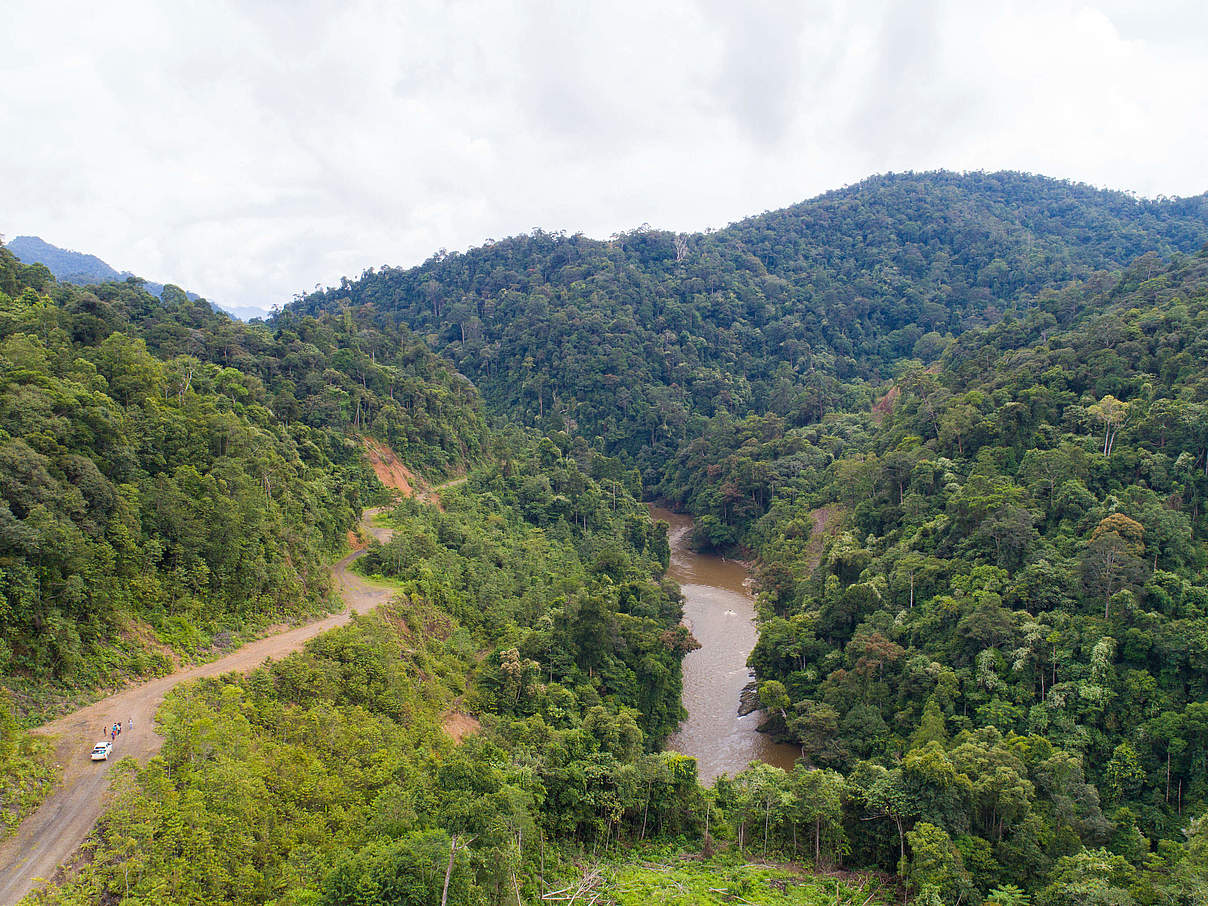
{"points": [[250, 151]]}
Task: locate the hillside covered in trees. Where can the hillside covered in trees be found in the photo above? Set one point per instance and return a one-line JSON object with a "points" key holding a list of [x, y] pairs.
{"points": [[171, 476], [636, 341], [1016, 558], [958, 419]]}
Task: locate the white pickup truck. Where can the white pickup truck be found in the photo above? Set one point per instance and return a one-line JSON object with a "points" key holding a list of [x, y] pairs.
{"points": [[100, 752]]}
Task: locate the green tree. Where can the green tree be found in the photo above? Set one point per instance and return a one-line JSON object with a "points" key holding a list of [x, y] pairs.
{"points": [[935, 864]]}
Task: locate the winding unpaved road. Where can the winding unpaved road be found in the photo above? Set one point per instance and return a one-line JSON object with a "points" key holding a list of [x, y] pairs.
{"points": [[49, 837]]}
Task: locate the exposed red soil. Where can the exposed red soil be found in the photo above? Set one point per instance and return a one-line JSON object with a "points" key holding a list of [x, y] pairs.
{"points": [[389, 470], [459, 725], [884, 405]]}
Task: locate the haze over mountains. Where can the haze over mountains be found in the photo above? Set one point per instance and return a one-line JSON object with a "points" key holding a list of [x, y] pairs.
{"points": [[79, 267]]}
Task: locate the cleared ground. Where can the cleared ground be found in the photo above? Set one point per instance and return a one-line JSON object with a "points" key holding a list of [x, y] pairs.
{"points": [[50, 836]]}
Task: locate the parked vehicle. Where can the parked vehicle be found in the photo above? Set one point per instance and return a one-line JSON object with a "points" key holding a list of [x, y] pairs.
{"points": [[100, 752]]}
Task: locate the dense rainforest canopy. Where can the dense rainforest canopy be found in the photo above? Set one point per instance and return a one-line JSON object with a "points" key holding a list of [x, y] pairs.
{"points": [[969, 456], [959, 421], [166, 467], [636, 341], [1014, 553]]}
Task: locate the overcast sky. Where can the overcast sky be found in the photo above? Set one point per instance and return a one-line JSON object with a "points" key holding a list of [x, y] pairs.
{"points": [[248, 151]]}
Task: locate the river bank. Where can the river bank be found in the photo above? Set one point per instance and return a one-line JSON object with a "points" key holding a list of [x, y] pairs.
{"points": [[720, 611]]}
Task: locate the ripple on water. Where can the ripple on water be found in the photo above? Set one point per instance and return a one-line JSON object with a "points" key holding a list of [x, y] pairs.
{"points": [[719, 610]]}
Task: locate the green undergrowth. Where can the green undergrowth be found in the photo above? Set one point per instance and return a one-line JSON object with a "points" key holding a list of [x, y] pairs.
{"points": [[263, 777], [145, 653], [650, 878], [27, 770]]}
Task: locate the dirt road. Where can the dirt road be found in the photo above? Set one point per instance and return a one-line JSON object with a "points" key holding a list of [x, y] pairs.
{"points": [[50, 836]]}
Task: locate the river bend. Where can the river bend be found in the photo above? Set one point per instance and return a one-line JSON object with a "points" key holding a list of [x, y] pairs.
{"points": [[720, 611]]}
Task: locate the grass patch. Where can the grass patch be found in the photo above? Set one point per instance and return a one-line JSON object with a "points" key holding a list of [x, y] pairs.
{"points": [[27, 775], [656, 876]]}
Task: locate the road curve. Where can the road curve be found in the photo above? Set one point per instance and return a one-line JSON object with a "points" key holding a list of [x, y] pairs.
{"points": [[52, 834]]}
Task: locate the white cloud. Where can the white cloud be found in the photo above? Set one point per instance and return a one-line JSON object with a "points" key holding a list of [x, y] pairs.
{"points": [[251, 150]]}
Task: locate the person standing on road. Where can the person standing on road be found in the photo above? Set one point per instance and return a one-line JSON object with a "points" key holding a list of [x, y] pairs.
{"points": [[131, 726]]}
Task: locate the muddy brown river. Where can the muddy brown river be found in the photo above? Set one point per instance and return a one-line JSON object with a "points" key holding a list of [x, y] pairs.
{"points": [[720, 611]]}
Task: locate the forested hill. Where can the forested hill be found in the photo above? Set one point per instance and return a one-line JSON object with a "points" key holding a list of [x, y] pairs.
{"points": [[68, 266], [170, 479], [960, 419], [78, 267], [1003, 576], [637, 340]]}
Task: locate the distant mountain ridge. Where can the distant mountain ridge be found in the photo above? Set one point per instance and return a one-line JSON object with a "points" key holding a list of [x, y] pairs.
{"points": [[67, 265], [70, 266]]}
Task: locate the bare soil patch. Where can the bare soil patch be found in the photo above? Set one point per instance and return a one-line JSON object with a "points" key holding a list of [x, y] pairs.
{"points": [[459, 725], [388, 468], [884, 405], [825, 523]]}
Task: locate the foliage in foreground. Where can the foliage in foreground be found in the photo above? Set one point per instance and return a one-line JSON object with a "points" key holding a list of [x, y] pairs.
{"points": [[657, 876], [325, 779], [27, 770]]}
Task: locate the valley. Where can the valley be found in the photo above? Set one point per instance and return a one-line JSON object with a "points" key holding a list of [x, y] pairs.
{"points": [[720, 613], [951, 428]]}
